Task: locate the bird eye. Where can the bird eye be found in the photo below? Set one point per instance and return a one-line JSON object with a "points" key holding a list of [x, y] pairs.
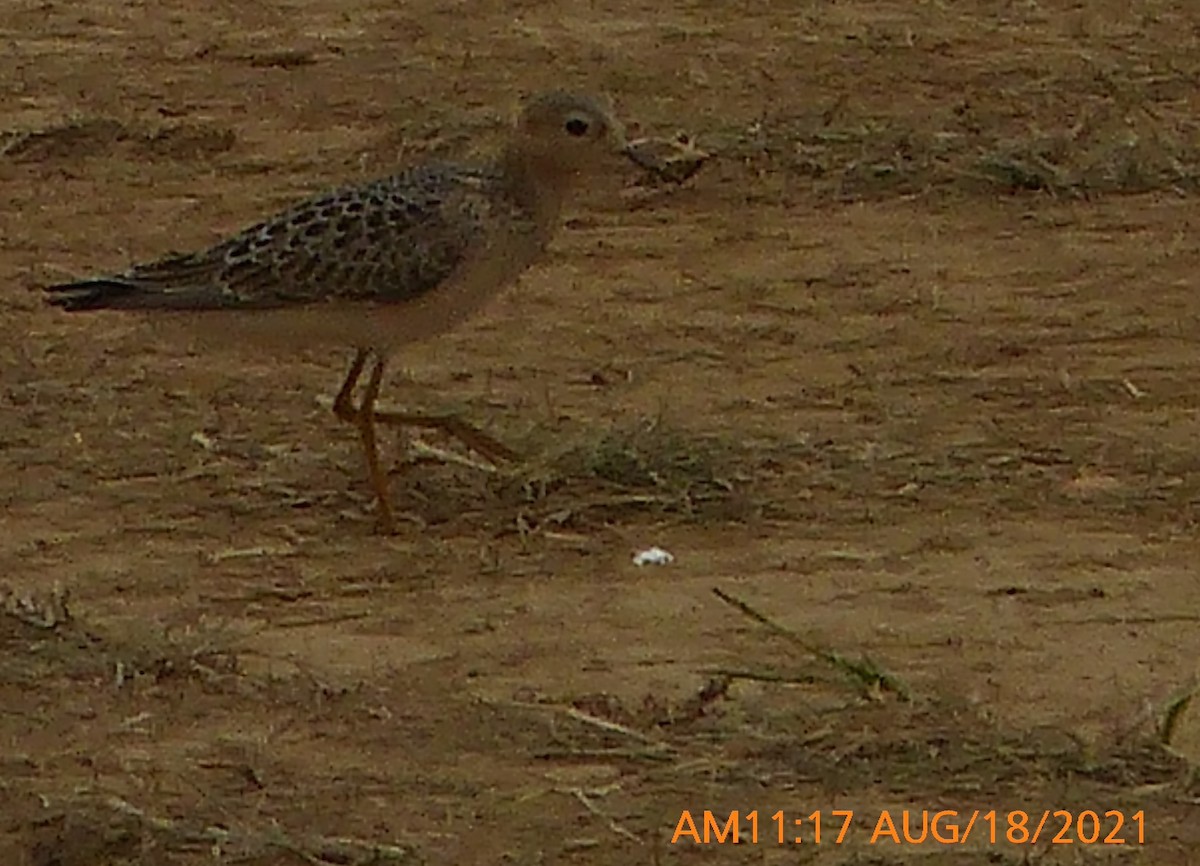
{"points": [[577, 126]]}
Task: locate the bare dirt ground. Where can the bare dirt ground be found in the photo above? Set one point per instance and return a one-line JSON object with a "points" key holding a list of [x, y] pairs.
{"points": [[910, 371]]}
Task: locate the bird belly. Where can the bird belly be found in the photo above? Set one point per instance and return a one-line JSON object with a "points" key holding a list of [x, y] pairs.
{"points": [[380, 325]]}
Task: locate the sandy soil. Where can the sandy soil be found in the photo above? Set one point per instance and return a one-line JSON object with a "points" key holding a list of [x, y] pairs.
{"points": [[909, 371]]}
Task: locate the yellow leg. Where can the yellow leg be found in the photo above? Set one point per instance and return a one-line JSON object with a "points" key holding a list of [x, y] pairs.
{"points": [[365, 417], [366, 428], [343, 404], [454, 427]]}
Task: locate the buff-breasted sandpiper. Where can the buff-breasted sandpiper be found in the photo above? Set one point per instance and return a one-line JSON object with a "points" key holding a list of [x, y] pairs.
{"points": [[382, 264]]}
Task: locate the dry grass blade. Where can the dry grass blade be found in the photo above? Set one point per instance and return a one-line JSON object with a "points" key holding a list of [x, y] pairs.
{"points": [[43, 610], [1174, 712], [606, 725], [247, 844], [863, 671], [582, 796], [643, 466], [646, 748]]}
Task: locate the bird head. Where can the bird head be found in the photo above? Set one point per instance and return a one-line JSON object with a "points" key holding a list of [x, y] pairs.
{"points": [[568, 133]]}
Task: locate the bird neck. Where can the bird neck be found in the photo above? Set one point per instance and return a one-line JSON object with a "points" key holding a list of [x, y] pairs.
{"points": [[536, 181]]}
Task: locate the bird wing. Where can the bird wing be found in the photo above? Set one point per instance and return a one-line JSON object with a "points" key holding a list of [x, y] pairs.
{"points": [[389, 241]]}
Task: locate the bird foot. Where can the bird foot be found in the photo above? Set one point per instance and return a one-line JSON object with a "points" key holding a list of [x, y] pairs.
{"points": [[472, 437]]}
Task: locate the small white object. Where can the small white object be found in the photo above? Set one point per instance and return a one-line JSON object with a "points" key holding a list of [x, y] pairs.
{"points": [[1134, 391], [653, 556]]}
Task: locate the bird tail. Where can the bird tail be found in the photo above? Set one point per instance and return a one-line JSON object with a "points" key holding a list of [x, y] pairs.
{"points": [[175, 282], [104, 293]]}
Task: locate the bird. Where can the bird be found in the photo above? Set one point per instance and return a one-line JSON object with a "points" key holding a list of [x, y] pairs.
{"points": [[381, 264]]}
